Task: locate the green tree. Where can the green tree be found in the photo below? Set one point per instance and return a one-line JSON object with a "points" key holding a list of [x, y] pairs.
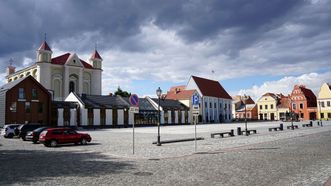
{"points": [[120, 92]]}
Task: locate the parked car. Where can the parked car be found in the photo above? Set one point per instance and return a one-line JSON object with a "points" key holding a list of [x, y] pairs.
{"points": [[24, 129], [54, 136], [8, 131], [34, 135]]}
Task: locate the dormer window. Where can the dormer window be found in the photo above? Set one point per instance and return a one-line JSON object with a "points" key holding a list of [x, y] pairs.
{"points": [[74, 61]]}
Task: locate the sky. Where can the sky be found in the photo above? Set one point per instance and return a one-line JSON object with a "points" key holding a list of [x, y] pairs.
{"points": [[251, 47]]}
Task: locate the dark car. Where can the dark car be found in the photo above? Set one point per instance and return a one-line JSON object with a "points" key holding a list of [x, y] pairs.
{"points": [[24, 129], [34, 135], [54, 136]]}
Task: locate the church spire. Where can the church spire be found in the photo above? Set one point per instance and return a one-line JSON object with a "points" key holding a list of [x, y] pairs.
{"points": [[96, 60], [44, 52]]}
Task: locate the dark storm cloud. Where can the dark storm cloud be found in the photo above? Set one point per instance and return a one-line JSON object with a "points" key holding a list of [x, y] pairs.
{"points": [[114, 24]]}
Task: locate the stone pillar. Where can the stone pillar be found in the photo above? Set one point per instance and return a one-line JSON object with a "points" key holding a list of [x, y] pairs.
{"points": [[83, 116], [65, 82], [120, 117], [176, 116], [60, 117], [73, 117], [189, 119], [169, 117], [80, 82], [183, 116], [162, 117], [96, 117], [109, 116]]}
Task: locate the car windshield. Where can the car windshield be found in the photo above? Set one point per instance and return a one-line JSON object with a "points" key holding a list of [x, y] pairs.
{"points": [[40, 129]]}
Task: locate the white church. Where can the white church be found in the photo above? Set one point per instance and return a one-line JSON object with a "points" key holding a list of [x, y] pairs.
{"points": [[63, 74]]}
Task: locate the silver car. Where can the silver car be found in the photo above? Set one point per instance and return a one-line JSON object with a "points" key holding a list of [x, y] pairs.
{"points": [[8, 131]]}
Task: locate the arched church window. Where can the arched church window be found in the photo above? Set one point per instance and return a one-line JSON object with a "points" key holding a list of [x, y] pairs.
{"points": [[34, 73], [57, 88], [71, 86]]}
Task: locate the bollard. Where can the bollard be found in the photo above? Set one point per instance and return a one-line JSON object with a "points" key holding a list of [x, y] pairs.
{"points": [[281, 127], [318, 123], [311, 123], [239, 131], [232, 132]]}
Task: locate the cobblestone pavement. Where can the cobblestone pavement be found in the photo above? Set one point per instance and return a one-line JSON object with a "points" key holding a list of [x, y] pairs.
{"points": [[299, 157]]}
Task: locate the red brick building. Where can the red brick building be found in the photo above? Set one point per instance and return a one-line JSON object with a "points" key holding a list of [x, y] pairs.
{"points": [[24, 101], [303, 103]]}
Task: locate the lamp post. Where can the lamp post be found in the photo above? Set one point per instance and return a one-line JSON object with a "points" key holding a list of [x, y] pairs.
{"points": [[291, 111], [158, 93], [319, 104], [245, 99]]}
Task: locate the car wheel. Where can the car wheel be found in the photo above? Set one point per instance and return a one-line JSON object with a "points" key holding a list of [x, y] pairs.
{"points": [[10, 135], [34, 141], [23, 138], [53, 143], [83, 141]]}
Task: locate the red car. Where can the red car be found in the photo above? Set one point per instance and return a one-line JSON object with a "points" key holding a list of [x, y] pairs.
{"points": [[54, 136]]}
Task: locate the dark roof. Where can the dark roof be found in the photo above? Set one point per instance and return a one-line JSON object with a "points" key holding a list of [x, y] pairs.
{"points": [[44, 46], [144, 104], [61, 60], [11, 84], [96, 55], [211, 88], [169, 104], [310, 96], [62, 104], [99, 101]]}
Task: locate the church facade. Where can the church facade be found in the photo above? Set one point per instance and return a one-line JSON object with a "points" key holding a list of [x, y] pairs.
{"points": [[63, 74]]}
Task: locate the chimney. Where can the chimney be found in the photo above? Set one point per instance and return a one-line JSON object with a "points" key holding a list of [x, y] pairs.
{"points": [[10, 68], [110, 94]]}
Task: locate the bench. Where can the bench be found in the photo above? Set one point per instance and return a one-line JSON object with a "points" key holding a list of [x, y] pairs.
{"points": [[294, 126], [307, 125], [221, 134], [179, 140], [276, 128], [248, 131]]}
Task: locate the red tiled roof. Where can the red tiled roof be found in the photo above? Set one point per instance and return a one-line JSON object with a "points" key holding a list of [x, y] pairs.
{"points": [[211, 88], [181, 95], [310, 96], [249, 101], [177, 88], [96, 55], [284, 102], [61, 60], [44, 46]]}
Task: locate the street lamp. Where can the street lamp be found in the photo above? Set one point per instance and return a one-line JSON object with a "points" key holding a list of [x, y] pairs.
{"points": [[158, 93], [245, 98], [319, 104]]}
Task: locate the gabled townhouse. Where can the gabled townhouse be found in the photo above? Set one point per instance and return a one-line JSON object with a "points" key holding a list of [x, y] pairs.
{"points": [[304, 103], [240, 106], [182, 95], [215, 103], [324, 102], [283, 108], [267, 107], [24, 100]]}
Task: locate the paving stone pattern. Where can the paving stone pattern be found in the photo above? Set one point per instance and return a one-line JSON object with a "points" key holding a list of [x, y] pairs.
{"points": [[289, 157]]}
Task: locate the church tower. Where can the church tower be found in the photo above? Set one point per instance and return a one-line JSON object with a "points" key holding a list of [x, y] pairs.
{"points": [[96, 60], [44, 53]]}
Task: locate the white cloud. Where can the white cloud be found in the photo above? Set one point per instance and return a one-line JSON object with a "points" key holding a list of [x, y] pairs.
{"points": [[285, 85]]}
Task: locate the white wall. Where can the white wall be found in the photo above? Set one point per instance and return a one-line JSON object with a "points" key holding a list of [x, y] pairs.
{"points": [[109, 116], [60, 117], [120, 117], [83, 117], [73, 116], [96, 117]]}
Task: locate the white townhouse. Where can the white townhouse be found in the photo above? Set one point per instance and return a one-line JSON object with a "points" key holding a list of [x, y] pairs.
{"points": [[215, 103]]}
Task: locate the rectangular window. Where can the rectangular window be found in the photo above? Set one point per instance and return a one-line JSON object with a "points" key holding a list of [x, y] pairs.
{"points": [[21, 94], [13, 107], [205, 104], [27, 107], [215, 105], [329, 115], [322, 104], [34, 94], [261, 107], [294, 106], [210, 105], [225, 106], [328, 103], [220, 105], [40, 107], [301, 105], [272, 106], [322, 115], [266, 107]]}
